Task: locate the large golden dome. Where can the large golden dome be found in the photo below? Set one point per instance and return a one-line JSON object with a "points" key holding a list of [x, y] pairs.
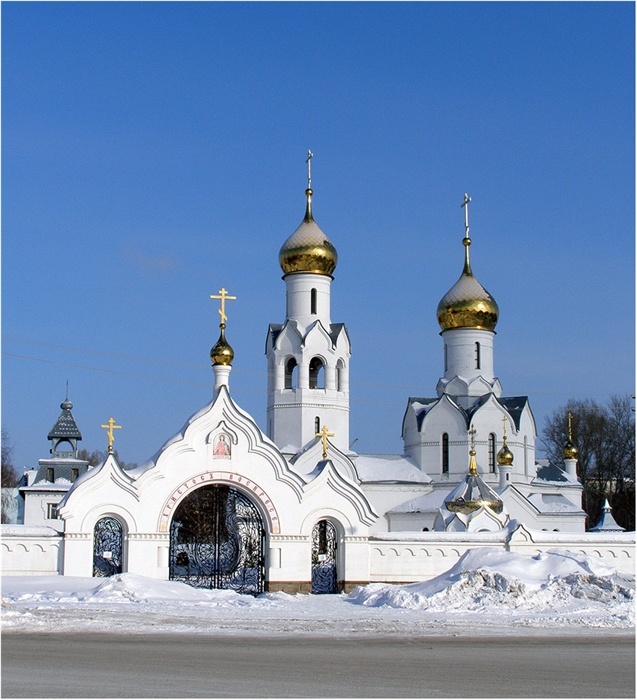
{"points": [[308, 249], [467, 304]]}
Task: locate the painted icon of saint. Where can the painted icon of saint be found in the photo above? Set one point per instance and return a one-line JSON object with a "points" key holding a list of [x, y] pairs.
{"points": [[222, 446]]}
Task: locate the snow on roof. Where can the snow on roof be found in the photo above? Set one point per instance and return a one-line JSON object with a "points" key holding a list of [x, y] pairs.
{"points": [[607, 523], [429, 503], [553, 503], [552, 474], [58, 486], [28, 531], [374, 468]]}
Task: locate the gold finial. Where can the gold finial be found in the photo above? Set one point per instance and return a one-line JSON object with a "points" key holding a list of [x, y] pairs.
{"points": [[308, 191], [466, 241], [222, 352], [324, 434], [223, 295], [310, 155], [473, 468], [570, 451], [505, 456], [111, 438]]}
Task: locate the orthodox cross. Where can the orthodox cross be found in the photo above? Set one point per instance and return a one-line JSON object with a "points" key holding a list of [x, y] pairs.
{"points": [[472, 432], [310, 155], [570, 426], [223, 295], [324, 434], [504, 424], [109, 434], [465, 206]]}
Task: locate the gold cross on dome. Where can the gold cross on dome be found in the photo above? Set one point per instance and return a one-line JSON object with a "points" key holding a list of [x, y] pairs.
{"points": [[223, 295], [504, 424], [465, 206], [310, 155], [570, 426], [472, 432], [324, 434], [111, 438]]}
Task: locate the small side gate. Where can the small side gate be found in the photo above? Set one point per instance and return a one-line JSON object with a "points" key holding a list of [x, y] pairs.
{"points": [[108, 545], [324, 563]]}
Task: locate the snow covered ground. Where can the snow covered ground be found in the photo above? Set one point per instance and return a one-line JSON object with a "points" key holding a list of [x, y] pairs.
{"points": [[486, 592]]}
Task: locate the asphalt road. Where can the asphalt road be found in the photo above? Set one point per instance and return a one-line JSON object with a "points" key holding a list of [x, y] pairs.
{"points": [[188, 666]]}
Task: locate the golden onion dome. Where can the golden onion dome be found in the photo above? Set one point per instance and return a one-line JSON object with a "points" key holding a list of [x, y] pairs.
{"points": [[467, 304], [222, 353], [505, 456], [308, 249], [570, 451]]}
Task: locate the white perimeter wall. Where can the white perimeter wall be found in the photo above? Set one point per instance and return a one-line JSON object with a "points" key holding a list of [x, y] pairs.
{"points": [[32, 553], [391, 557]]}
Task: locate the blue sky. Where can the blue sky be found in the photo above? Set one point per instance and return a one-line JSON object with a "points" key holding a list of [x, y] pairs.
{"points": [[154, 152]]}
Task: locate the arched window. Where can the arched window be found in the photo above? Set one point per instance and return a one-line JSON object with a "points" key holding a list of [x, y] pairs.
{"points": [[477, 355], [317, 373], [340, 376], [492, 452], [445, 453], [317, 425], [446, 364], [64, 446], [313, 301], [50, 475], [290, 374]]}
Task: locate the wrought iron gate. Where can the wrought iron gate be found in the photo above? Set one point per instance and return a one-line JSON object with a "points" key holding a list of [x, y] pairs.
{"points": [[324, 570], [217, 540], [108, 540]]}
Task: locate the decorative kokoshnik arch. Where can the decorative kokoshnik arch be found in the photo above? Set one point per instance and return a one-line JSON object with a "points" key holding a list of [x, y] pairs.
{"points": [[220, 477]]}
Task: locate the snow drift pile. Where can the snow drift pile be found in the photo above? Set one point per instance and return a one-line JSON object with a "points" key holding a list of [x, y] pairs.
{"points": [[486, 590], [489, 580]]}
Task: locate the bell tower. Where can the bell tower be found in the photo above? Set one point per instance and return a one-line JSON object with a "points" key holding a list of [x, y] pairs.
{"points": [[308, 355]]}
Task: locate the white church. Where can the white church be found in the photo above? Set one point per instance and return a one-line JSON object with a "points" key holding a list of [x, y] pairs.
{"points": [[224, 505]]}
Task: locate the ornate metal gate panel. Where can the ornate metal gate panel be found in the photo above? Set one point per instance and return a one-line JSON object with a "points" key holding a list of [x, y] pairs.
{"points": [[108, 540], [324, 570], [217, 540]]}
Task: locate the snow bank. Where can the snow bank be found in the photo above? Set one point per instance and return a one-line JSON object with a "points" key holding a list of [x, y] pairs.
{"points": [[486, 592], [491, 582]]}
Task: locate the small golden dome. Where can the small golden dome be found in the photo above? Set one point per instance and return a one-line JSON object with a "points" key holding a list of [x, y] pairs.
{"points": [[570, 451], [308, 249], [222, 353], [505, 456]]}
